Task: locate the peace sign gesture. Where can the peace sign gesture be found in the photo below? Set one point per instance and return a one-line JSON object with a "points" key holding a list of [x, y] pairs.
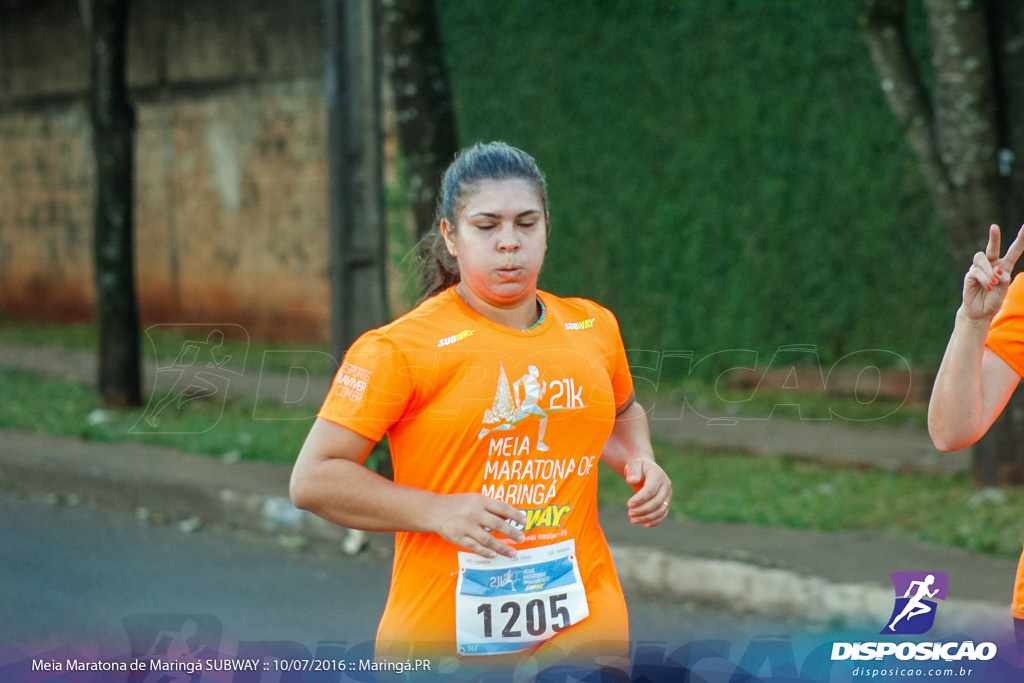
{"points": [[988, 279]]}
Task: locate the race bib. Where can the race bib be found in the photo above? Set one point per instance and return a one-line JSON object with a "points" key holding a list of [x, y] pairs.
{"points": [[507, 605]]}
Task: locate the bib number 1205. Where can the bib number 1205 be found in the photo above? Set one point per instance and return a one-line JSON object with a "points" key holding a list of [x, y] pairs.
{"points": [[536, 613], [508, 605]]}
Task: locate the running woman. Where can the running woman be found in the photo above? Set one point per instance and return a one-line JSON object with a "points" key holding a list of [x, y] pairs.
{"points": [[984, 360], [499, 558]]}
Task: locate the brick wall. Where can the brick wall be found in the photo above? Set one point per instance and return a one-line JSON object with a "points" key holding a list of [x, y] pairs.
{"points": [[231, 211]]}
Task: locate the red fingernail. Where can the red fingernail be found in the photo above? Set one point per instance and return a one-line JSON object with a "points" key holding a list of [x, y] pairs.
{"points": [[999, 271], [990, 288]]}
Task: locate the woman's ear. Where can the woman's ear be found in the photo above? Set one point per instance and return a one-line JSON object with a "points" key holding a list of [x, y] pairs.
{"points": [[448, 234]]}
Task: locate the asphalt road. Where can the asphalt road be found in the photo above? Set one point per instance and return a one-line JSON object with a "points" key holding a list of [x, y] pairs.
{"points": [[97, 580]]}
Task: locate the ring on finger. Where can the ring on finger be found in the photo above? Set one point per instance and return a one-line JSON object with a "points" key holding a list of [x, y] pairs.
{"points": [[665, 503]]}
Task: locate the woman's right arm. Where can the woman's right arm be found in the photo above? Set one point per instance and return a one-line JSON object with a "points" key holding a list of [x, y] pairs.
{"points": [[973, 383], [329, 480], [971, 388]]}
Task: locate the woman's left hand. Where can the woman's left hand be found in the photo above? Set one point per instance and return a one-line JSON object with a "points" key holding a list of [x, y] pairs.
{"points": [[650, 504]]}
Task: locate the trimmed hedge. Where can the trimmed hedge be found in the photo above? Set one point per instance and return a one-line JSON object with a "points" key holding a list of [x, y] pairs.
{"points": [[723, 174]]}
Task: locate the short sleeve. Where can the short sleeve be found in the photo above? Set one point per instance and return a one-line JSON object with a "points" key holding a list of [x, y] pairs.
{"points": [[371, 389], [618, 364], [1006, 335]]}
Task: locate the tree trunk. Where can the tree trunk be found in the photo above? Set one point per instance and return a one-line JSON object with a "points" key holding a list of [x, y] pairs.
{"points": [[113, 125], [423, 101], [358, 236], [999, 455], [964, 135], [1006, 18]]}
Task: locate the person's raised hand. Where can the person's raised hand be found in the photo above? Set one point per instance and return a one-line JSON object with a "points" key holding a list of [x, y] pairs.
{"points": [[988, 279], [467, 519]]}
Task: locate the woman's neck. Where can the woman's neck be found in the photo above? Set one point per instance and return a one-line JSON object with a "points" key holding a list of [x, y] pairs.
{"points": [[519, 315]]}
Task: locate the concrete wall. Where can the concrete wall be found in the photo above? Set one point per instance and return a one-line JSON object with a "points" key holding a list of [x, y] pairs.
{"points": [[231, 209]]}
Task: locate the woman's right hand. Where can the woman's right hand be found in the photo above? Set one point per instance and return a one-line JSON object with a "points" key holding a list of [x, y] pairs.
{"points": [[988, 279], [467, 519]]}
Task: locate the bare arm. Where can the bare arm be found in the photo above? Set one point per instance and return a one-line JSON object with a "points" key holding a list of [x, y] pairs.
{"points": [[329, 480], [628, 452], [971, 388], [973, 383]]}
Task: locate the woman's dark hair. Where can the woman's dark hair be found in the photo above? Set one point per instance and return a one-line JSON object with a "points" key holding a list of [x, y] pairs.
{"points": [[472, 165]]}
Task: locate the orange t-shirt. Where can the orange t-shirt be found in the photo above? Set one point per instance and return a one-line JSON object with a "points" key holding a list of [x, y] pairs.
{"points": [[1006, 334], [1006, 339], [471, 406]]}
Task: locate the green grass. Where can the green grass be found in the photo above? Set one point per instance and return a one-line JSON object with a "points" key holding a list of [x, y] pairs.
{"points": [[163, 343], [236, 428], [267, 432], [717, 486], [710, 485], [75, 337], [878, 412]]}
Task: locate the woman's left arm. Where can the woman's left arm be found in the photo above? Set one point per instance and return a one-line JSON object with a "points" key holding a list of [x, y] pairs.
{"points": [[628, 451]]}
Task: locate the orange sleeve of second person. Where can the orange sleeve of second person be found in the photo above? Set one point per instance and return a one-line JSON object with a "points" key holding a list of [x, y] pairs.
{"points": [[1017, 607], [1006, 339], [1006, 335]]}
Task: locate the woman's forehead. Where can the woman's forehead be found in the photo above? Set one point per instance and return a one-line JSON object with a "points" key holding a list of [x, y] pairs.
{"points": [[500, 197]]}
